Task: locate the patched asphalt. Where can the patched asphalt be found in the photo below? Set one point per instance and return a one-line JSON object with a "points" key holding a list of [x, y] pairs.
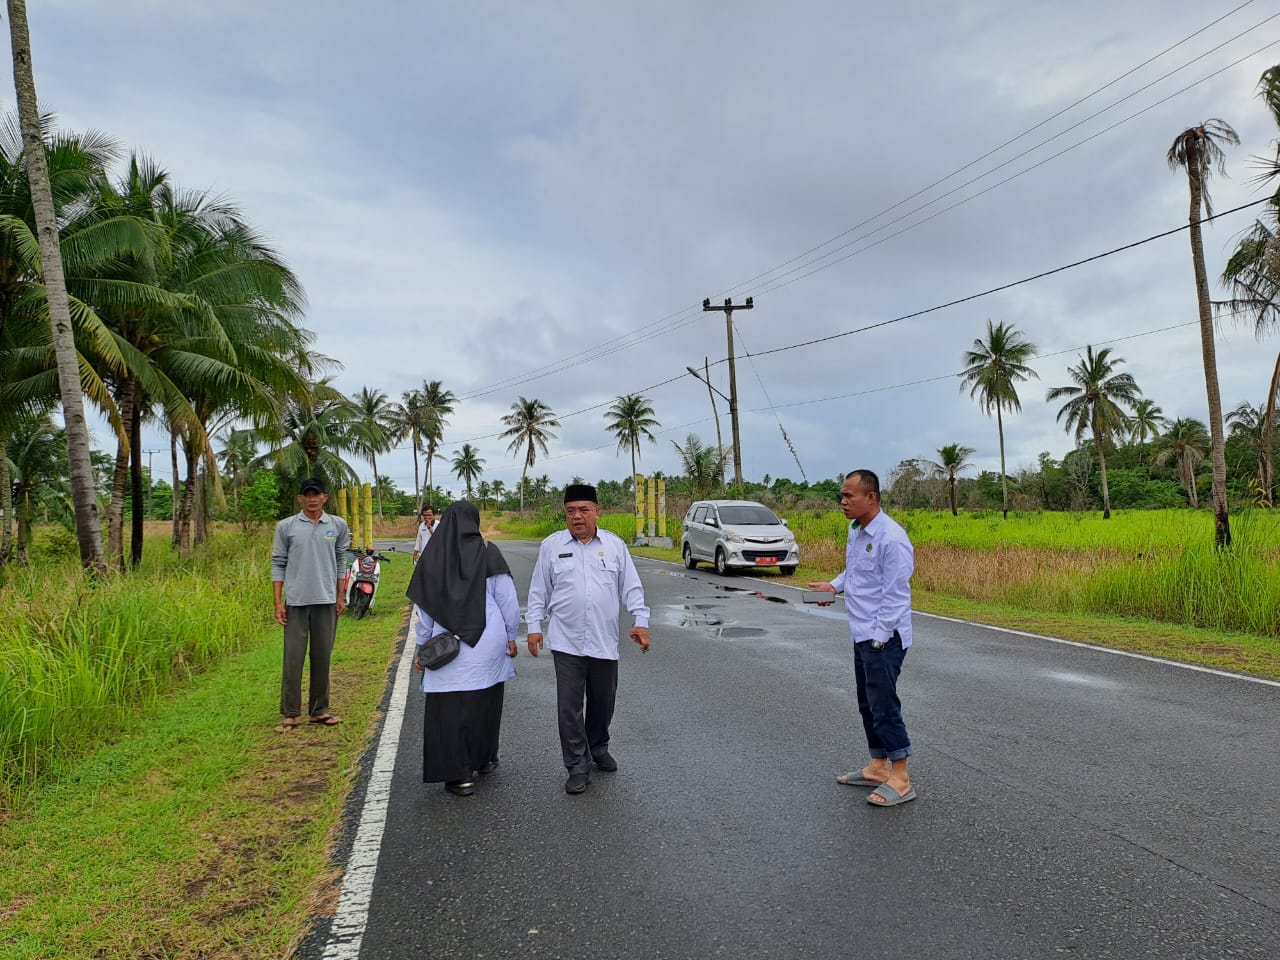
{"points": [[1071, 802]]}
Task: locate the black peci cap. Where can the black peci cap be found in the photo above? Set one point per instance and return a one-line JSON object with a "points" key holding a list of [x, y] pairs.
{"points": [[580, 491]]}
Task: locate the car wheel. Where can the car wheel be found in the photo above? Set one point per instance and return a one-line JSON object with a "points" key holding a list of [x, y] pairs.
{"points": [[789, 569], [722, 563], [689, 562]]}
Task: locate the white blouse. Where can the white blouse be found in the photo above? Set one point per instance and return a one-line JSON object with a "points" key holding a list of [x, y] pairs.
{"points": [[487, 663]]}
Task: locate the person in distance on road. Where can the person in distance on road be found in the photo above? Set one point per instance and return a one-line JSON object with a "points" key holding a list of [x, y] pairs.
{"points": [[426, 524], [581, 574], [463, 585], [876, 581]]}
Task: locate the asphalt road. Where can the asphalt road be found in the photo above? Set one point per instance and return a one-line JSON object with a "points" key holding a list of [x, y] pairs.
{"points": [[1072, 802]]}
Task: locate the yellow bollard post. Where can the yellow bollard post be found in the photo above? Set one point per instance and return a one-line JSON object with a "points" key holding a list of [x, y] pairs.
{"points": [[340, 506], [353, 518], [639, 479], [367, 494], [653, 497], [662, 507]]}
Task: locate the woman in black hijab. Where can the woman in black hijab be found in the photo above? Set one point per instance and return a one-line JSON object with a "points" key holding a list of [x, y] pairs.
{"points": [[462, 585]]}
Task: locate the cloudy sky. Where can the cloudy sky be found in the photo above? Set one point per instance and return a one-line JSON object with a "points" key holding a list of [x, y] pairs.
{"points": [[532, 199]]}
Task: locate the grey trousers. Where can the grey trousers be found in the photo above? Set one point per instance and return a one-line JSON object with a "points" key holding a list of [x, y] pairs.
{"points": [[313, 625]]}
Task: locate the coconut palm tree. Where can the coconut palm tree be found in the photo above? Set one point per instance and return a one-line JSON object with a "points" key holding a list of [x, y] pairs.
{"points": [[75, 164], [375, 428], [1198, 151], [80, 469], [992, 369], [703, 466], [1096, 396], [239, 449], [1249, 423], [36, 453], [1146, 422], [411, 421], [529, 425], [952, 459], [499, 492], [1253, 272], [467, 466], [312, 436], [484, 492], [1185, 442], [631, 420], [437, 404]]}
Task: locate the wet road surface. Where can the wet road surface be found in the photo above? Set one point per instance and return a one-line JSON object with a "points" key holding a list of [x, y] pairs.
{"points": [[1072, 803]]}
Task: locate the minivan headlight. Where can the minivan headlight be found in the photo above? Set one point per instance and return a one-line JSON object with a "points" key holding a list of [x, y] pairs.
{"points": [[732, 537]]}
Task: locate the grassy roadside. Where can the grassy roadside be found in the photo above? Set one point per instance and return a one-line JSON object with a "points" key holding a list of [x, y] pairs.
{"points": [[200, 832]]}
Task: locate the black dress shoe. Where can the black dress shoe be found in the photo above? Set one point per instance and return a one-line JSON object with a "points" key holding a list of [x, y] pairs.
{"points": [[460, 788], [606, 762], [489, 767], [577, 782]]}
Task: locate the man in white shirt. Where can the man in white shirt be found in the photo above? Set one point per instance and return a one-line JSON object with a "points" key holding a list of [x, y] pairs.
{"points": [[425, 526], [876, 581], [580, 576]]}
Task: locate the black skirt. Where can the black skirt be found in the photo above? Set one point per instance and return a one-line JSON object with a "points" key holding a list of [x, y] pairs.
{"points": [[460, 733]]}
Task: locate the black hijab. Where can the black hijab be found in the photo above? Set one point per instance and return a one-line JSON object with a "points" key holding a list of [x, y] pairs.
{"points": [[449, 580]]}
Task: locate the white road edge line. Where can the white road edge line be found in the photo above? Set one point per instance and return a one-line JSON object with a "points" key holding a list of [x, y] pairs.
{"points": [[1118, 653], [1041, 636], [346, 933]]}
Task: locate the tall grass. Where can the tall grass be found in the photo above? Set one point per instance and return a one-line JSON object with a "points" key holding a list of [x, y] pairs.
{"points": [[1159, 565], [77, 656]]}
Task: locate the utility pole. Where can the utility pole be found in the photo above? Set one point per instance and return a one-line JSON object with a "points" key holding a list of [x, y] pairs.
{"points": [[728, 309]]}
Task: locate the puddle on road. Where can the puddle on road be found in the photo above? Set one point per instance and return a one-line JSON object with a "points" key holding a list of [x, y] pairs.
{"points": [[734, 633]]}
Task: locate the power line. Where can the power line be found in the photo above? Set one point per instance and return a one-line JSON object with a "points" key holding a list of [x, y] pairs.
{"points": [[907, 316], [1000, 183], [1032, 149], [684, 316], [1015, 283], [871, 390]]}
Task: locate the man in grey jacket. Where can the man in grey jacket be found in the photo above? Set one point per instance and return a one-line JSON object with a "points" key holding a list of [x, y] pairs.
{"points": [[308, 564]]}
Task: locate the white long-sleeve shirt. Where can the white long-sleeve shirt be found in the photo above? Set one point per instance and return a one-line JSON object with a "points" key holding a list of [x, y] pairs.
{"points": [[576, 588], [878, 563], [487, 663], [420, 542]]}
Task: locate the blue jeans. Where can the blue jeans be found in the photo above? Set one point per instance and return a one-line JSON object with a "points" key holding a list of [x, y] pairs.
{"points": [[877, 676]]}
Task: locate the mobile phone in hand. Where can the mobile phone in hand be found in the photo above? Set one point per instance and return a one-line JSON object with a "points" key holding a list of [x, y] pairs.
{"points": [[817, 596]]}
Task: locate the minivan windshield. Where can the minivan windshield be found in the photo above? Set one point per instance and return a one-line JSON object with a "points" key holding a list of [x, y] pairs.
{"points": [[755, 516]]}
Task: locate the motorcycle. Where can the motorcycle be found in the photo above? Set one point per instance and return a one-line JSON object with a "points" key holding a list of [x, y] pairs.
{"points": [[362, 581]]}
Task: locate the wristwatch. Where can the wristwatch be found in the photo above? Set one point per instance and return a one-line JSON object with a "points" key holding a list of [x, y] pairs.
{"points": [[878, 645]]}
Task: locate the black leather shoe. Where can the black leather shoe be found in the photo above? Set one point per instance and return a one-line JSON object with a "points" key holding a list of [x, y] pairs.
{"points": [[577, 782], [605, 762], [460, 788], [488, 768]]}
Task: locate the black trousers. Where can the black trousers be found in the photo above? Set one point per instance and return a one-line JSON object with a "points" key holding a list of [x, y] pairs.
{"points": [[460, 733], [584, 735]]}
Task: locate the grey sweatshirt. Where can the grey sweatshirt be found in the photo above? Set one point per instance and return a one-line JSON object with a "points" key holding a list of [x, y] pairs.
{"points": [[309, 558]]}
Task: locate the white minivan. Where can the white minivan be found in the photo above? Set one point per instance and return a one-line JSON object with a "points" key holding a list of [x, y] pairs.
{"points": [[736, 534]]}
